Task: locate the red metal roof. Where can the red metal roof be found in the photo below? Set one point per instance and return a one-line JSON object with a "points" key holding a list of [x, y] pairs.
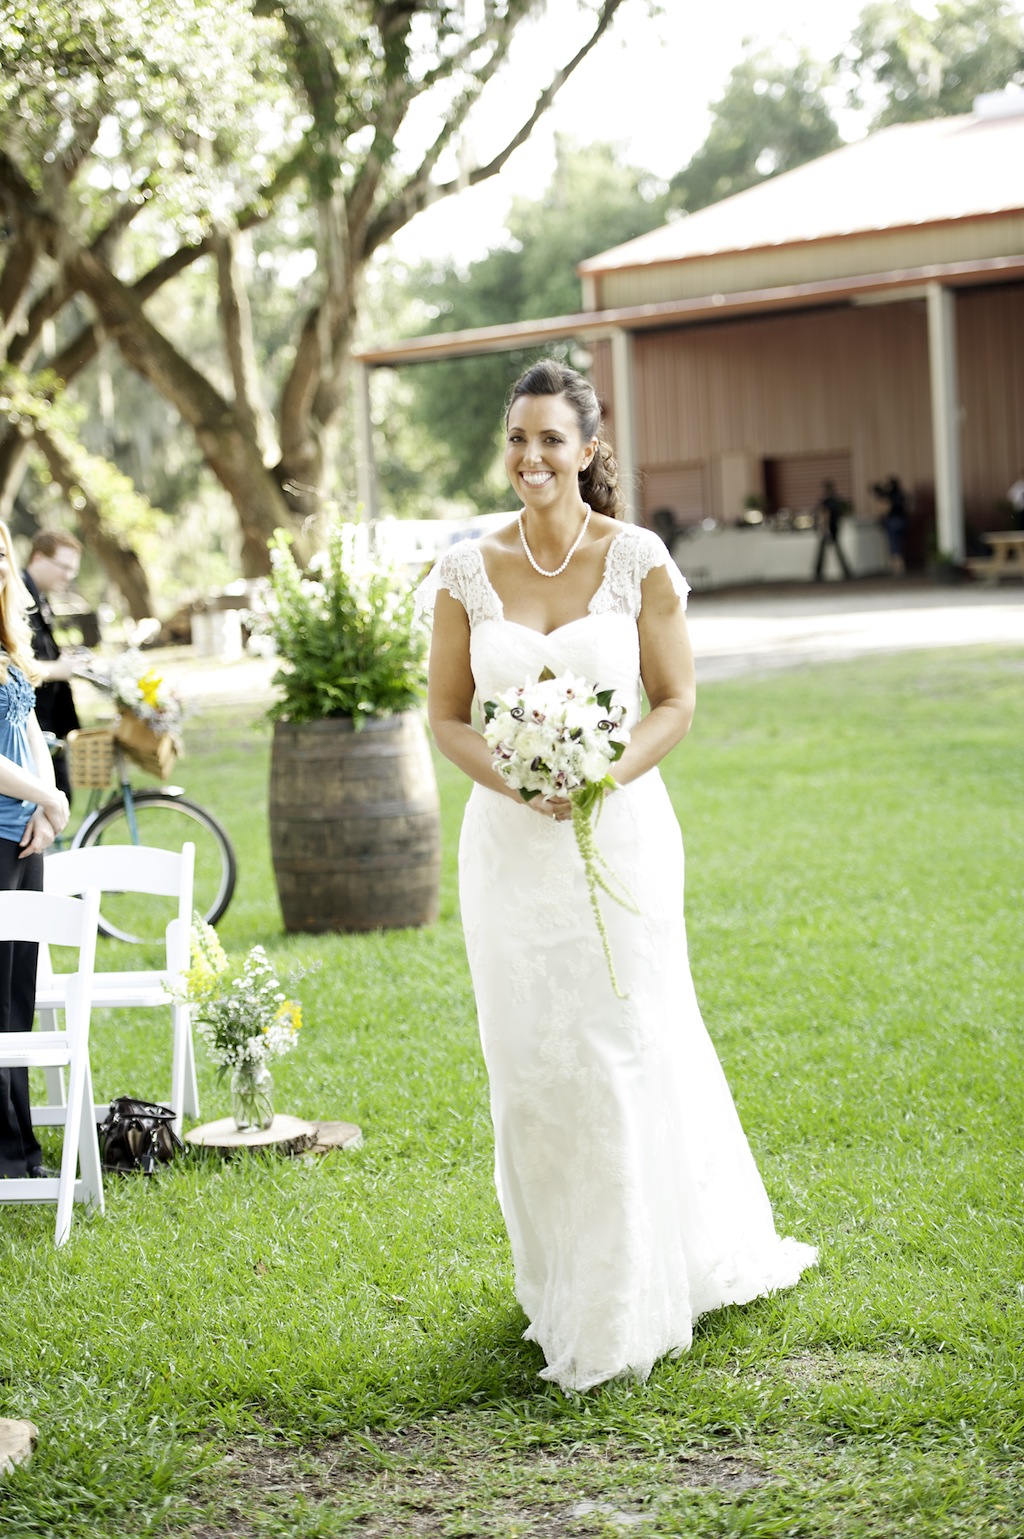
{"points": [[912, 174], [681, 312]]}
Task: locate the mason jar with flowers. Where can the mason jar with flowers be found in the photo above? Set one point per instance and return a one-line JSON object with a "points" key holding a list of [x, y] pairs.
{"points": [[354, 816], [244, 1021]]}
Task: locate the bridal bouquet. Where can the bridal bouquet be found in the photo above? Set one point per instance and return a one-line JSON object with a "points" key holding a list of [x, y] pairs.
{"points": [[560, 737]]}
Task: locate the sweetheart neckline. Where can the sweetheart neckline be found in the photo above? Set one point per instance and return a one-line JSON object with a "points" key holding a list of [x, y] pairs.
{"points": [[532, 628], [546, 635]]}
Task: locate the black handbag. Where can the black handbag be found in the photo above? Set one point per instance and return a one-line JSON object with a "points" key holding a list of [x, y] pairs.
{"points": [[137, 1135]]}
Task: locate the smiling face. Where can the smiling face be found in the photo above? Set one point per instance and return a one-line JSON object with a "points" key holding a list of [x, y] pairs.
{"points": [[544, 450]]}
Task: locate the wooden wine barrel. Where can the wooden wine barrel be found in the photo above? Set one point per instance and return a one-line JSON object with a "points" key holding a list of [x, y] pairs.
{"points": [[354, 824]]}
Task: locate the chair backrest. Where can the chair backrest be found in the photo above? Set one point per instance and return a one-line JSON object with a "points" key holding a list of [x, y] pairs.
{"points": [[52, 919], [119, 868], [130, 868]]}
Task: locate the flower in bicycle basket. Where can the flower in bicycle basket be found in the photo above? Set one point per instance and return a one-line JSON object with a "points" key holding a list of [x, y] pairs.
{"points": [[141, 690], [149, 688], [242, 1020]]}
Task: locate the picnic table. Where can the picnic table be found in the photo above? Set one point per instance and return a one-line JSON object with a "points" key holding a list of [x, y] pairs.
{"points": [[1006, 560]]}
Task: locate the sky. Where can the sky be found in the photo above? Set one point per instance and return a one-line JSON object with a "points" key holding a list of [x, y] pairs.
{"points": [[645, 87]]}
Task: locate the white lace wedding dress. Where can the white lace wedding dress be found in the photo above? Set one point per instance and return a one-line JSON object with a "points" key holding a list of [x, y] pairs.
{"points": [[631, 1198]]}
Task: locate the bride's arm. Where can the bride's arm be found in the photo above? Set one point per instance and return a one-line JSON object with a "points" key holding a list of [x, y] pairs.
{"points": [[666, 668], [450, 697]]}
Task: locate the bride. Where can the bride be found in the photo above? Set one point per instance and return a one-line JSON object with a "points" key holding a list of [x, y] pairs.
{"points": [[632, 1202]]}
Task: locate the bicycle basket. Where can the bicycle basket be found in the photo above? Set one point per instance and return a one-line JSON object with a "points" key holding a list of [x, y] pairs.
{"points": [[90, 758], [155, 752]]}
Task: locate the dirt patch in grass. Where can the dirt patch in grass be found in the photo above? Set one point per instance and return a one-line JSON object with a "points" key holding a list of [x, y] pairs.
{"points": [[878, 1369], [426, 1482]]}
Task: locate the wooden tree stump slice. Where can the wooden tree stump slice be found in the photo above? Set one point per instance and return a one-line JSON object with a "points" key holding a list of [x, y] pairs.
{"points": [[17, 1440], [336, 1135], [291, 1135]]}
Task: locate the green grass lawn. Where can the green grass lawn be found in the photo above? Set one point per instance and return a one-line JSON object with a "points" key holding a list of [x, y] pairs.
{"points": [[322, 1347]]}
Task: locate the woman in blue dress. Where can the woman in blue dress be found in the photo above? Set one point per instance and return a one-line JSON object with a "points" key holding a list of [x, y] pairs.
{"points": [[32, 813]]}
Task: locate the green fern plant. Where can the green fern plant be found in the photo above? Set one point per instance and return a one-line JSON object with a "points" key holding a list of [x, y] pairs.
{"points": [[345, 633]]}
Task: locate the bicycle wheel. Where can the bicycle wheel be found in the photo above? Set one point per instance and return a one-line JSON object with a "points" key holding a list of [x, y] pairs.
{"points": [[163, 822]]}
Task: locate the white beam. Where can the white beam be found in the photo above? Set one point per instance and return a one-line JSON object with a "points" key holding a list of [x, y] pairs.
{"points": [[625, 420], [366, 465], [949, 494]]}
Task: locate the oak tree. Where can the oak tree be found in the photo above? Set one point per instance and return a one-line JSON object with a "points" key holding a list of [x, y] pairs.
{"points": [[140, 138]]}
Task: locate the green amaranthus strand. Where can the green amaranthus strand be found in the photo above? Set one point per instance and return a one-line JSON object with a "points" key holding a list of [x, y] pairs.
{"points": [[586, 807]]}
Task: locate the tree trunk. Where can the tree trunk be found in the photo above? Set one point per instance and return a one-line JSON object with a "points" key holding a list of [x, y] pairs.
{"points": [[232, 454], [16, 288], [353, 225], [119, 561], [13, 464], [236, 321]]}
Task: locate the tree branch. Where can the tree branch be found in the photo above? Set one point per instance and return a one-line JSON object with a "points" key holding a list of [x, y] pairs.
{"points": [[419, 192], [499, 33], [121, 562], [16, 287], [230, 451], [236, 321], [14, 449], [19, 201], [82, 348]]}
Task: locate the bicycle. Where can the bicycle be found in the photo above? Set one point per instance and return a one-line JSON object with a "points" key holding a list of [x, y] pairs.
{"points": [[162, 817]]}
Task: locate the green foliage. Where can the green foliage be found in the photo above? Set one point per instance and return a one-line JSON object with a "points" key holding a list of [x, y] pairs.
{"points": [[346, 633], [165, 97], [771, 117], [146, 130], [927, 66], [40, 399], [323, 1347], [593, 202]]}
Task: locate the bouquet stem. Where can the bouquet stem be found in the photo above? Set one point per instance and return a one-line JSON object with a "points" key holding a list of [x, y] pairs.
{"points": [[586, 806]]}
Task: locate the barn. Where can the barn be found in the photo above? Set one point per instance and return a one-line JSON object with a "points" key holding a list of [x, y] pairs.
{"points": [[857, 318]]}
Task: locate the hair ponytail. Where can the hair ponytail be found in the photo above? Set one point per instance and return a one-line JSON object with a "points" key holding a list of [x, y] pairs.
{"points": [[599, 482]]}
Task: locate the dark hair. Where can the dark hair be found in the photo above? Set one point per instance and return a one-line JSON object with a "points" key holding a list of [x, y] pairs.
{"points": [[599, 482]]}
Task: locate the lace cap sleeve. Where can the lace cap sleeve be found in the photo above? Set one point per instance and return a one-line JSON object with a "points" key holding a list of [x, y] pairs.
{"points": [[460, 572], [634, 554]]}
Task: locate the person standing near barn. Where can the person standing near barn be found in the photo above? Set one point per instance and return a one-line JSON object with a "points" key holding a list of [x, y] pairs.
{"points": [[830, 510], [1015, 497], [895, 521]]}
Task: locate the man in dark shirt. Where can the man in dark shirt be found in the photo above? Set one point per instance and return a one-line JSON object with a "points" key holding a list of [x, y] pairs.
{"points": [[830, 510], [52, 567]]}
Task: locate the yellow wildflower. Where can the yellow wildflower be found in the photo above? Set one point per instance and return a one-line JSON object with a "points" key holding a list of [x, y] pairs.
{"points": [[149, 686], [290, 1010], [208, 957]]}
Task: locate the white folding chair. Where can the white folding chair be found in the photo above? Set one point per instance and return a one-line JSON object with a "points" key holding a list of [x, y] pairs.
{"points": [[134, 869], [59, 921]]}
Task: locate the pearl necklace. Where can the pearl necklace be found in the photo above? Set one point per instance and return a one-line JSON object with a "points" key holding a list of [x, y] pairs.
{"points": [[573, 548]]}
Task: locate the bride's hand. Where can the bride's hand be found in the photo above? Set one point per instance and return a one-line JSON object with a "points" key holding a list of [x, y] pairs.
{"points": [[557, 807]]}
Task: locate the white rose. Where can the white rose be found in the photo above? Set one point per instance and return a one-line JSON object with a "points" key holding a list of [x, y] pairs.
{"points": [[531, 742], [593, 767]]}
